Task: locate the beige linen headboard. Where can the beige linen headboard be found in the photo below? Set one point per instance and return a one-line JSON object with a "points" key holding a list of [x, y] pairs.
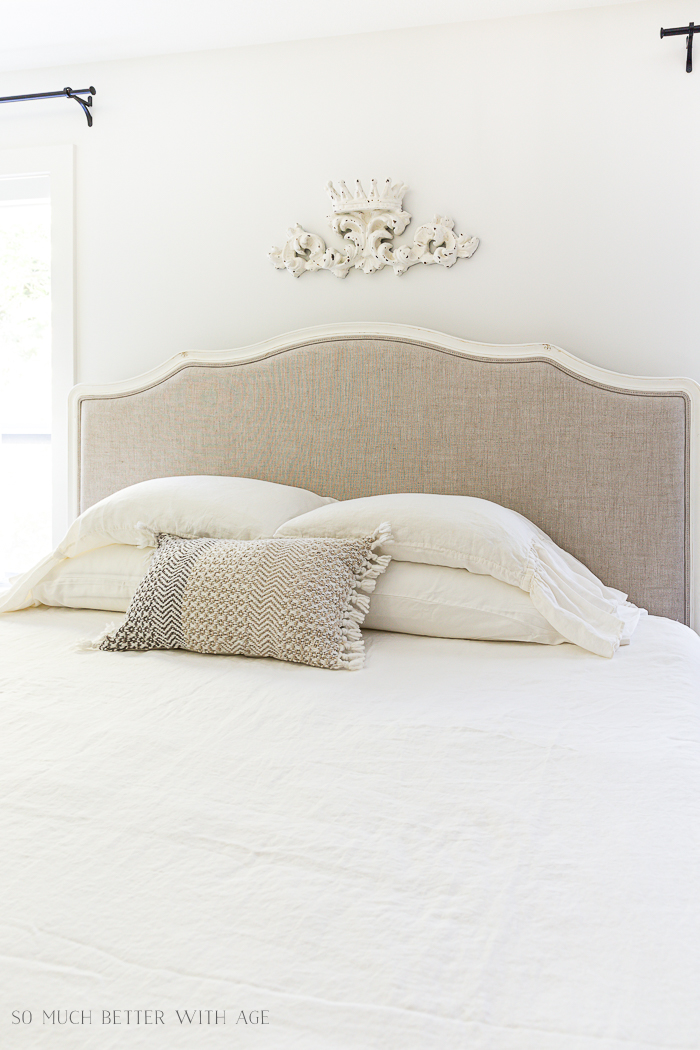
{"points": [[604, 463]]}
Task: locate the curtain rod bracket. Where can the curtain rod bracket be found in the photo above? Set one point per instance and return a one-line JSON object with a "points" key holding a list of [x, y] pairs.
{"points": [[67, 92]]}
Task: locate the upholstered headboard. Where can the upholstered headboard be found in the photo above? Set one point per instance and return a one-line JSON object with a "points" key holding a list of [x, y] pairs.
{"points": [[604, 463]]}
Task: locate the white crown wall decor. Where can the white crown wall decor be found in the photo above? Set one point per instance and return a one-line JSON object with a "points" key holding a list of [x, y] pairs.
{"points": [[368, 223]]}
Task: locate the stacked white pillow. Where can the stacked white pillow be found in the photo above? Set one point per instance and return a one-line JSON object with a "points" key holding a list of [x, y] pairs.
{"points": [[442, 602], [105, 578], [472, 534], [197, 505], [461, 567]]}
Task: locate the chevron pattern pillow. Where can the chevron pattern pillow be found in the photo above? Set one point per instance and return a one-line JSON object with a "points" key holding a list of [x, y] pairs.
{"points": [[301, 600]]}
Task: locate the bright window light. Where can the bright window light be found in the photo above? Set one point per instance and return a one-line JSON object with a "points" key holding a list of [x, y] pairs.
{"points": [[25, 372]]}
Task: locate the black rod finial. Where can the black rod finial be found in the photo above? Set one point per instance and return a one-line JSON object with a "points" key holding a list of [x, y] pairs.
{"points": [[689, 31]]}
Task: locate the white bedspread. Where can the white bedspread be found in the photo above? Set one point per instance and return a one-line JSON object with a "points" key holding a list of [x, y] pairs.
{"points": [[490, 846]]}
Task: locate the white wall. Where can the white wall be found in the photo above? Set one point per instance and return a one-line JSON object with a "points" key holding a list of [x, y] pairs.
{"points": [[569, 143]]}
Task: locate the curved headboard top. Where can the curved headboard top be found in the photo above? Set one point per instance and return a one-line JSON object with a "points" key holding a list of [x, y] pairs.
{"points": [[607, 464]]}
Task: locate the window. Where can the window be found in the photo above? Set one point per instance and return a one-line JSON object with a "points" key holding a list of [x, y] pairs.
{"points": [[25, 370], [36, 351]]}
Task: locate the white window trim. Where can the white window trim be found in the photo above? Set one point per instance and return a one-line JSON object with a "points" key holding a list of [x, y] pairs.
{"points": [[56, 162]]}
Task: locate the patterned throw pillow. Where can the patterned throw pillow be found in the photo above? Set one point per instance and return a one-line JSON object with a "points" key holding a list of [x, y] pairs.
{"points": [[301, 600]]}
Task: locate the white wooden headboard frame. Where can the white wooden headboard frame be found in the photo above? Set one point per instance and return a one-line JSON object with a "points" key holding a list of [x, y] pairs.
{"points": [[86, 438]]}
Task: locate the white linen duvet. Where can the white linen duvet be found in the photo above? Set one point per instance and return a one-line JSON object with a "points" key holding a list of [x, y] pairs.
{"points": [[483, 845]]}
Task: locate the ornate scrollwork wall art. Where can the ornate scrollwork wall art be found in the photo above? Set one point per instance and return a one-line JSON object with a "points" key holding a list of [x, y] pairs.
{"points": [[368, 223]]}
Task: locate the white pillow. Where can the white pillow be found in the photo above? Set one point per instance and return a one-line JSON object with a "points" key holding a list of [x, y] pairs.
{"points": [[200, 505], [410, 599], [105, 578], [475, 534], [454, 603]]}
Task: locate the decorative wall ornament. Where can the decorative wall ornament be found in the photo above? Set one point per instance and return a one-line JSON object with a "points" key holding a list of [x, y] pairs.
{"points": [[368, 223]]}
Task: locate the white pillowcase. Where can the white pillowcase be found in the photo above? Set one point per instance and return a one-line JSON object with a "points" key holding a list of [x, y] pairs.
{"points": [[105, 578], [198, 505], [475, 534], [454, 603], [409, 599]]}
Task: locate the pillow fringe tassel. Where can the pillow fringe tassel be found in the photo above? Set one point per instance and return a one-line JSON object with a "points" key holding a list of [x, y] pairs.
{"points": [[148, 535], [88, 645], [352, 654]]}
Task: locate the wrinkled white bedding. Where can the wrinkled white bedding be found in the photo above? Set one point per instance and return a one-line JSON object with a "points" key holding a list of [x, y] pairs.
{"points": [[477, 845]]}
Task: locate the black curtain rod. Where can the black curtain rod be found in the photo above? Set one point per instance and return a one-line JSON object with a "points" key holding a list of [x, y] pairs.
{"points": [[67, 92]]}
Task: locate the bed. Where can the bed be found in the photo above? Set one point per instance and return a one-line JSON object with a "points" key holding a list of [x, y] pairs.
{"points": [[465, 844]]}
